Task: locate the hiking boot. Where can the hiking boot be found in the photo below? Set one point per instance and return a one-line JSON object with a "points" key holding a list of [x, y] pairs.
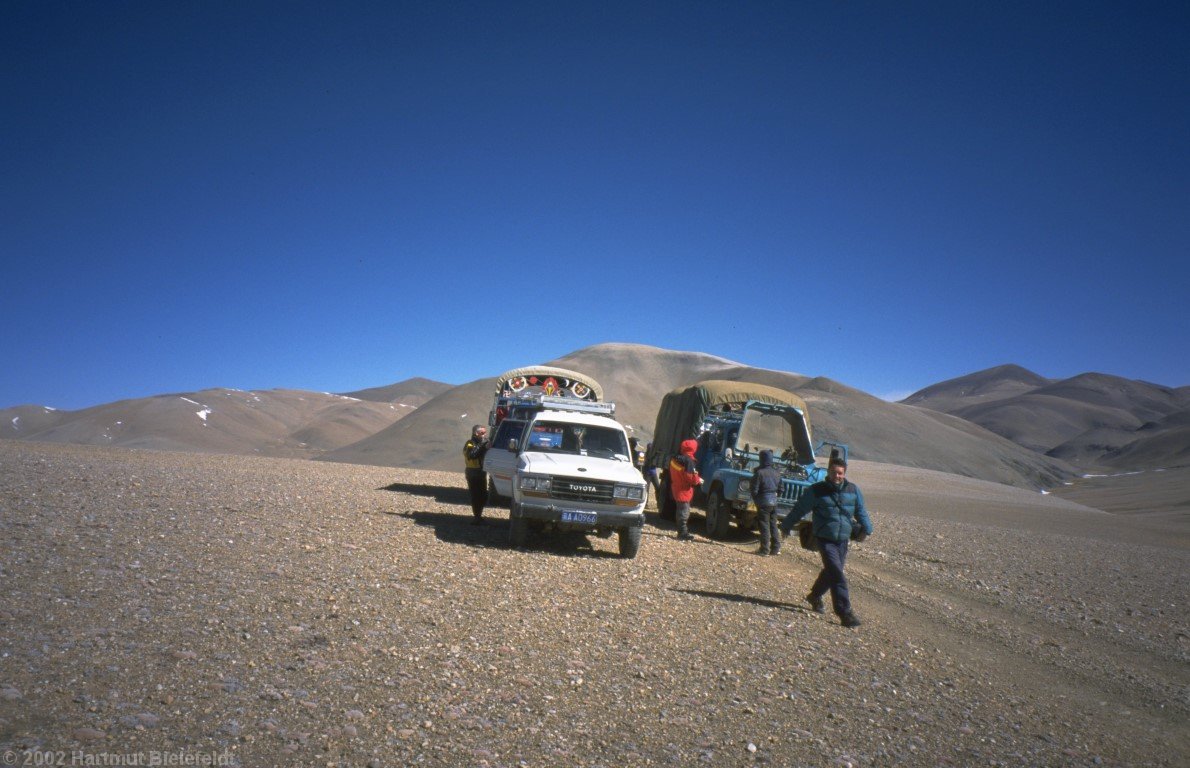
{"points": [[776, 551], [685, 537], [762, 551], [816, 604], [850, 620]]}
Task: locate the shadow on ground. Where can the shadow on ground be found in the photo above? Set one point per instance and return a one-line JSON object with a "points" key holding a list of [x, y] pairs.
{"points": [[443, 494], [743, 599], [698, 527], [458, 529]]}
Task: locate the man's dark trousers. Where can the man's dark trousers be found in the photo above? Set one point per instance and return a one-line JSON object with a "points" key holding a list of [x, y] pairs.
{"points": [[770, 531], [834, 555], [477, 486]]}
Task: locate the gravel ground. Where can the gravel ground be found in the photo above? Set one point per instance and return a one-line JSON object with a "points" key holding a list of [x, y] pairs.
{"points": [[258, 612]]}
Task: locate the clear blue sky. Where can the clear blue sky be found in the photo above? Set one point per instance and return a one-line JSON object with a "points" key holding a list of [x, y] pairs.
{"points": [[338, 195]]}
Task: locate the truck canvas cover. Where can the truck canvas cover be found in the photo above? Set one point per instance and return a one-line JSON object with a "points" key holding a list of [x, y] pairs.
{"points": [[547, 380], [684, 409]]}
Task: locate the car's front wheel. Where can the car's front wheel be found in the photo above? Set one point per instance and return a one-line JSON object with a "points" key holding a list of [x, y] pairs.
{"points": [[630, 541], [718, 515]]}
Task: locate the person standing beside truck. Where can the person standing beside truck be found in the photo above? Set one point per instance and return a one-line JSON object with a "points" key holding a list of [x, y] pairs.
{"points": [[477, 479], [683, 479], [652, 475], [835, 507], [766, 485]]}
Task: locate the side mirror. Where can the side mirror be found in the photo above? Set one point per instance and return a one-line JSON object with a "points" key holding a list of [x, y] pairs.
{"points": [[512, 445]]}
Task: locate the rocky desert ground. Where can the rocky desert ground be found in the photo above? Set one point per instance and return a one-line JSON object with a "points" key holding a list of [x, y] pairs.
{"points": [[205, 609]]}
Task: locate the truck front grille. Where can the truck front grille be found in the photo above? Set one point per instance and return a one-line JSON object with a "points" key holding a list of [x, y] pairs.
{"points": [[591, 491], [790, 491]]}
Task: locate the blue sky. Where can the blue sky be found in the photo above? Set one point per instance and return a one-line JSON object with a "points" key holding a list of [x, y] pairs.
{"points": [[332, 196]]}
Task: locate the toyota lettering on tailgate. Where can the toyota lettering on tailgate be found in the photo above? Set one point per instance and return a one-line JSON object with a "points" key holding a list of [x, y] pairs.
{"points": [[583, 488]]}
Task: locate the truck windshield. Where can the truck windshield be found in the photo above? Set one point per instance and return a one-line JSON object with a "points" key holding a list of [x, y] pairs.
{"points": [[577, 439], [776, 431]]}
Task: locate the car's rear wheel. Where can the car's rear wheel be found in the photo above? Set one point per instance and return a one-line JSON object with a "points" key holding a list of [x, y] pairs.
{"points": [[718, 515], [630, 541]]}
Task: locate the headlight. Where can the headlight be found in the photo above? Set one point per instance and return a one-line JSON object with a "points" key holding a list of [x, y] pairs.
{"points": [[634, 492], [534, 483]]}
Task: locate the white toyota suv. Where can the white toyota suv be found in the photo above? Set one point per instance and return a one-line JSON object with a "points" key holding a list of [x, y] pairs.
{"points": [[574, 471]]}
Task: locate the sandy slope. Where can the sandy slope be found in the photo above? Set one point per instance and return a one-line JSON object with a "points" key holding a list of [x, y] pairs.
{"points": [[1154, 497], [283, 612]]}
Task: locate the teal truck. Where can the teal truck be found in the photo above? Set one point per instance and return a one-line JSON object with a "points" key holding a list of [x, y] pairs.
{"points": [[733, 421]]}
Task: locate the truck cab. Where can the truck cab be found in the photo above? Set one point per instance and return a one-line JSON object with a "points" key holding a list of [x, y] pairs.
{"points": [[733, 422], [729, 453]]}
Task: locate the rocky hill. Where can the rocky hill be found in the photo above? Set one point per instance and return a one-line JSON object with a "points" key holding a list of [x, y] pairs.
{"points": [[1091, 420], [636, 377], [409, 393], [278, 422], [1005, 424]]}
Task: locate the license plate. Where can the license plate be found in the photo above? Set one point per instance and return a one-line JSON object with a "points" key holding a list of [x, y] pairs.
{"points": [[585, 518]]}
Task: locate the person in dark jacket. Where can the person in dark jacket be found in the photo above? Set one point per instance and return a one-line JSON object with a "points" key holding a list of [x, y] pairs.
{"points": [[653, 475], [765, 487], [683, 479], [835, 507], [477, 479]]}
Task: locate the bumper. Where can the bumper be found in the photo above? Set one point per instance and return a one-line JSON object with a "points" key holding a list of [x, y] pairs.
{"points": [[550, 513]]}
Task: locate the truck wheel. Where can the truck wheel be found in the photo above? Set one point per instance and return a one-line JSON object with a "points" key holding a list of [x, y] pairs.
{"points": [[718, 515], [518, 529], [630, 541], [667, 508]]}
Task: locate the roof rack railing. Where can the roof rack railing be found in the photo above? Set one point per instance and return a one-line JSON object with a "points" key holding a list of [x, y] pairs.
{"points": [[554, 403]]}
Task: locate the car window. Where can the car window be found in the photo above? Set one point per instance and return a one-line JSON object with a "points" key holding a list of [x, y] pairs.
{"points": [[547, 437], [509, 429]]}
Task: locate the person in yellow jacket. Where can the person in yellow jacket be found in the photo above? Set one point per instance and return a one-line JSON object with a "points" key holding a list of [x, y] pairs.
{"points": [[477, 479]]}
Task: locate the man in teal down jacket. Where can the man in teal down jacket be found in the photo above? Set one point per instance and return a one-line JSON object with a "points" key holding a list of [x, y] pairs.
{"points": [[836, 507]]}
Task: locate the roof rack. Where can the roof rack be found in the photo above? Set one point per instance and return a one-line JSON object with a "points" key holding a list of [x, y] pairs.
{"points": [[555, 403]]}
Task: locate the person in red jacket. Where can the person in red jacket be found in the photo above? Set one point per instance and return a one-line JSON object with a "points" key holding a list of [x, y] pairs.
{"points": [[683, 479]]}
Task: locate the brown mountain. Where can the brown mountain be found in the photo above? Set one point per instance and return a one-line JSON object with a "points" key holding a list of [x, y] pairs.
{"points": [[23, 420], [289, 423], [410, 393], [636, 377], [986, 386], [1157, 444], [1088, 420]]}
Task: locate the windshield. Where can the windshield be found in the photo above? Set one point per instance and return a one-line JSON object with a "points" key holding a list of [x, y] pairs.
{"points": [[782, 432], [576, 439]]}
